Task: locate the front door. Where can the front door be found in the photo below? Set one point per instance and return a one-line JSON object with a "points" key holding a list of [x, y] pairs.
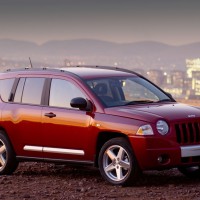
{"points": [[65, 129]]}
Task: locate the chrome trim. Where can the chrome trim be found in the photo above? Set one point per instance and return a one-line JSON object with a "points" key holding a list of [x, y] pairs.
{"points": [[189, 151], [54, 150], [32, 148], [63, 151]]}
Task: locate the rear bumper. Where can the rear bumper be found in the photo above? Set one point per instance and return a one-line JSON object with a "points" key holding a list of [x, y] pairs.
{"points": [[157, 153]]}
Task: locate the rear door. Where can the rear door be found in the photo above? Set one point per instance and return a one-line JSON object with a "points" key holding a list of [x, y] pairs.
{"points": [[22, 117]]}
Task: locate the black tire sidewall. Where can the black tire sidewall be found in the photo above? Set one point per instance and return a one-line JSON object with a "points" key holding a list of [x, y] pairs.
{"points": [[189, 172]]}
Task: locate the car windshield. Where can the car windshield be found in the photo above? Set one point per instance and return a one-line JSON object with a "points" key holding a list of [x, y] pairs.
{"points": [[120, 91]]}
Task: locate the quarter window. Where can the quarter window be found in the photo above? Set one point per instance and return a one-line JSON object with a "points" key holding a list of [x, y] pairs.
{"points": [[5, 88], [62, 92]]}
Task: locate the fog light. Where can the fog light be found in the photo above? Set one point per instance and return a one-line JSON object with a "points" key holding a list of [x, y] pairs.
{"points": [[160, 159], [163, 159]]}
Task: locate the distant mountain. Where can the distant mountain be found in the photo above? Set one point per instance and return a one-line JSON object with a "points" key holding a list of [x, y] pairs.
{"points": [[14, 47], [148, 51]]}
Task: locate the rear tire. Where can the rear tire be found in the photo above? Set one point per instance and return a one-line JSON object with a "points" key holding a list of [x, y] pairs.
{"points": [[117, 162], [8, 162]]}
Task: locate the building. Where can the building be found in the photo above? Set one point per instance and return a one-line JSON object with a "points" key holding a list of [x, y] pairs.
{"points": [[196, 84], [156, 76], [192, 66], [177, 78], [193, 72]]}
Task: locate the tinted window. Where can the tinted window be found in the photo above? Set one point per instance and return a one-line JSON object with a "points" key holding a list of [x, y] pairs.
{"points": [[18, 93], [32, 92], [5, 88], [62, 92]]}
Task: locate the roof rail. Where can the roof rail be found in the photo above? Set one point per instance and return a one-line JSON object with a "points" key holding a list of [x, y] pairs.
{"points": [[33, 69], [108, 67], [78, 66]]}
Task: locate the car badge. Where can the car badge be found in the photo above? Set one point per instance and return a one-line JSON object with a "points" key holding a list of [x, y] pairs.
{"points": [[191, 116]]}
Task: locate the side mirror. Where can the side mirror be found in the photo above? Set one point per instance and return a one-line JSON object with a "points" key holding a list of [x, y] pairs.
{"points": [[80, 103]]}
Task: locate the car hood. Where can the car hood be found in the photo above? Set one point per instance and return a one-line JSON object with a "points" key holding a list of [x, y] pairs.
{"points": [[152, 112]]}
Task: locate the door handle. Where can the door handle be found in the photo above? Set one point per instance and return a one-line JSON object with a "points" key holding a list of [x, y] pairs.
{"points": [[50, 115]]}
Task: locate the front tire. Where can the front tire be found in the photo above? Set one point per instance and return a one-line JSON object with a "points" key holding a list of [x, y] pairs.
{"points": [[191, 172], [8, 162], [117, 162]]}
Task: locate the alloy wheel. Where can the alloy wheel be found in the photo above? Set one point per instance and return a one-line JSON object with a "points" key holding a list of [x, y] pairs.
{"points": [[3, 156], [116, 163]]}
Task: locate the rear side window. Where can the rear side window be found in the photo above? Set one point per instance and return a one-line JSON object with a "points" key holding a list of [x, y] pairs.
{"points": [[5, 88], [29, 90]]}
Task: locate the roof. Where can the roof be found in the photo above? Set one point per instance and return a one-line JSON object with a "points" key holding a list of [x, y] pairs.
{"points": [[84, 72], [98, 72]]}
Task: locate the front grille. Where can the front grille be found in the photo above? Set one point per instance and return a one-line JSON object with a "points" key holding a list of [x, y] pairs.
{"points": [[188, 133], [194, 159]]}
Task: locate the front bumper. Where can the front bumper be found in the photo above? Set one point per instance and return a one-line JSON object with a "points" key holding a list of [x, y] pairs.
{"points": [[190, 151], [158, 153]]}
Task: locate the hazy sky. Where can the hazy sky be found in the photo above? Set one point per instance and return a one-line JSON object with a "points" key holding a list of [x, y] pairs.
{"points": [[169, 21]]}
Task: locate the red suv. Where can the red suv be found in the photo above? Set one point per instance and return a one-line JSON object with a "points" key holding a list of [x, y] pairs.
{"points": [[111, 118]]}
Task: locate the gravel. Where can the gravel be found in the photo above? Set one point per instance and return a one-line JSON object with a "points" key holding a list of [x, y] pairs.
{"points": [[33, 181]]}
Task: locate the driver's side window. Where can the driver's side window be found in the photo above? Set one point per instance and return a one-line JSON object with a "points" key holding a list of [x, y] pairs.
{"points": [[62, 92]]}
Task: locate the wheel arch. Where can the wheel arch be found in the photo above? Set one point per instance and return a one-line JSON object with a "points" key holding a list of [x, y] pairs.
{"points": [[102, 138], [5, 132]]}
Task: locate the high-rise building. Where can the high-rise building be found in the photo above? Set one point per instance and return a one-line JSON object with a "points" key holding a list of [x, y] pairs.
{"points": [[178, 78], [193, 72], [196, 83], [156, 76], [192, 66]]}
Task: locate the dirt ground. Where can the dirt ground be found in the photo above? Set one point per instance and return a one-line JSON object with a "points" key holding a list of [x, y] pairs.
{"points": [[34, 181]]}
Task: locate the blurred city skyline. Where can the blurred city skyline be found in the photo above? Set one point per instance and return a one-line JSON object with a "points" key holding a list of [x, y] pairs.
{"points": [[157, 38], [171, 22]]}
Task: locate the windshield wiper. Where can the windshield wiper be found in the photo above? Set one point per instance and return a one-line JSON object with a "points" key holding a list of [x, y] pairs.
{"points": [[139, 102], [164, 100]]}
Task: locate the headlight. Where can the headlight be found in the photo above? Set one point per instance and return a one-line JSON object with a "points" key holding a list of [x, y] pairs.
{"points": [[145, 130], [162, 127]]}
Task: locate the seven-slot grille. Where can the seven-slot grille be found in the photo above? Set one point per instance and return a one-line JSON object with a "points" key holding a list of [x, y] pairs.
{"points": [[188, 133]]}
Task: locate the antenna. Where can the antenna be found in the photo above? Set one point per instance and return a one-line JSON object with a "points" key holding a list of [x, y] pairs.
{"points": [[30, 62]]}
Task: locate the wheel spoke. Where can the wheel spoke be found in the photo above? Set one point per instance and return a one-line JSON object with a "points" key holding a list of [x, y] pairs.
{"points": [[2, 149], [124, 164], [2, 160], [110, 154], [119, 173], [109, 168], [120, 153]]}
